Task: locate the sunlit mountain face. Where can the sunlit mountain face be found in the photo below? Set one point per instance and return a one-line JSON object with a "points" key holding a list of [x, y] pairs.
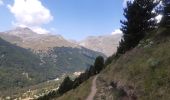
{"points": [[106, 44]]}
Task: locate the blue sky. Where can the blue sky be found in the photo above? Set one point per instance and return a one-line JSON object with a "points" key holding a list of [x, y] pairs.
{"points": [[73, 19]]}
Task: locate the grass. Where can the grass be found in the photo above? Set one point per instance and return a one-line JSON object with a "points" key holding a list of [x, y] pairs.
{"points": [[79, 93], [144, 70]]}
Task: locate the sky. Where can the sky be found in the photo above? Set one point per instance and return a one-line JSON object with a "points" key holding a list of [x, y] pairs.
{"points": [[73, 19]]}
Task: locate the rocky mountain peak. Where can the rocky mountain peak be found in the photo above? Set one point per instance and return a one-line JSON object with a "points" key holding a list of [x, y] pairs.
{"points": [[106, 44], [21, 31]]}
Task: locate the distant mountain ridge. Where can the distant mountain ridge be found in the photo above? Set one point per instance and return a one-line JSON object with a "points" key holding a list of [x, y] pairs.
{"points": [[106, 44], [26, 38]]}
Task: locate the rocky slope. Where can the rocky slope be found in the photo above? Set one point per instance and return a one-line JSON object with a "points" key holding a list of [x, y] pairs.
{"points": [[26, 38], [106, 44]]}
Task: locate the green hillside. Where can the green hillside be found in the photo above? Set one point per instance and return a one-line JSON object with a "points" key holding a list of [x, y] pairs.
{"points": [[79, 93], [56, 55], [18, 67], [67, 59], [141, 74]]}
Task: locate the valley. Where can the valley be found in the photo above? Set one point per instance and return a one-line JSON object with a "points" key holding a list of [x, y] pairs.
{"points": [[85, 50], [38, 59]]}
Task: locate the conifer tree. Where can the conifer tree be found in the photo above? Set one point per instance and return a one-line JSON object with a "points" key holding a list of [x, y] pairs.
{"points": [[166, 13], [99, 64], [139, 18], [65, 86]]}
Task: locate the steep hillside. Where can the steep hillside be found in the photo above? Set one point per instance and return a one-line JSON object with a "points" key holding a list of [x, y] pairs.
{"points": [[68, 59], [141, 74], [106, 44], [79, 93], [18, 67]]}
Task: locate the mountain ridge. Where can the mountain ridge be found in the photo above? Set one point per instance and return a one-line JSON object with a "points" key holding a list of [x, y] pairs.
{"points": [[35, 58], [28, 39], [106, 44]]}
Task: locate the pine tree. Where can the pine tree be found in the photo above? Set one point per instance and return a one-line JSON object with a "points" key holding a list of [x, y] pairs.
{"points": [[99, 64], [121, 48], [166, 13], [65, 86], [140, 18], [91, 71]]}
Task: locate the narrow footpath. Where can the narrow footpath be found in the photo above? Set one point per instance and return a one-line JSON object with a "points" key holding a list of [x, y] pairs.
{"points": [[93, 89]]}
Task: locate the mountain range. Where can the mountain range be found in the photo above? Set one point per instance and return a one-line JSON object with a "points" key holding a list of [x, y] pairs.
{"points": [[106, 44], [26, 38], [28, 58]]}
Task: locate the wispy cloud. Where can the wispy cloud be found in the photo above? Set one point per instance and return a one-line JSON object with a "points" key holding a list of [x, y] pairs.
{"points": [[30, 13], [1, 2], [117, 31]]}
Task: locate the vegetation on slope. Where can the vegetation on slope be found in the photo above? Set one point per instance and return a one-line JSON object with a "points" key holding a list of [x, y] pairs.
{"points": [[143, 72], [80, 93], [67, 59], [139, 18], [140, 69], [69, 84], [21, 68], [18, 67]]}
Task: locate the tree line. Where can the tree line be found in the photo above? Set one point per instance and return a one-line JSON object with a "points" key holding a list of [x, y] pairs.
{"points": [[140, 17], [69, 84]]}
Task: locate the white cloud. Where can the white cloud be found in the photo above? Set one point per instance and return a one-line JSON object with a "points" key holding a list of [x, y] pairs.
{"points": [[30, 13], [117, 31], [158, 18], [1, 2]]}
